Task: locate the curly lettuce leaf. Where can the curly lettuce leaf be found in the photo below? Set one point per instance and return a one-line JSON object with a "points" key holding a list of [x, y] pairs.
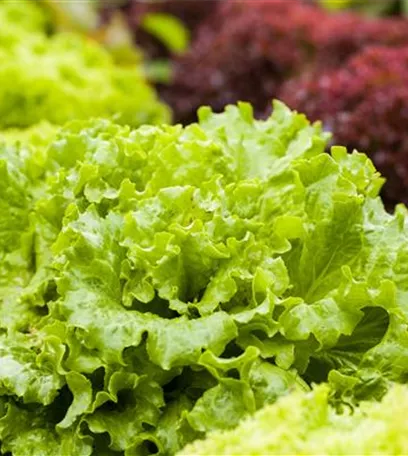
{"points": [[305, 423], [25, 431], [30, 368], [191, 276]]}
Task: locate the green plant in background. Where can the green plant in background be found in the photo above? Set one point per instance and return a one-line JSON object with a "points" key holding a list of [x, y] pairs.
{"points": [[65, 76], [161, 283], [22, 18], [85, 18], [116, 34], [171, 32], [370, 7], [73, 16], [168, 29]]}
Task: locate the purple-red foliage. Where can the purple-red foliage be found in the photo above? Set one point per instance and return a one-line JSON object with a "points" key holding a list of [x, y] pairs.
{"points": [[340, 36], [248, 48], [365, 105], [243, 52]]}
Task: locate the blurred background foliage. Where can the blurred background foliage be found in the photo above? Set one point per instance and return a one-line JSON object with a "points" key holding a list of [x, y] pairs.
{"points": [[369, 7]]}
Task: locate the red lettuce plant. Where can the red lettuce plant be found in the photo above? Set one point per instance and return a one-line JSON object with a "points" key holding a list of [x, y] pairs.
{"points": [[365, 105]]}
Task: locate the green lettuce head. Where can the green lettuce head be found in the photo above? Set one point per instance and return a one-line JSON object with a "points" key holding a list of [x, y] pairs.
{"points": [[65, 76], [160, 283], [306, 424]]}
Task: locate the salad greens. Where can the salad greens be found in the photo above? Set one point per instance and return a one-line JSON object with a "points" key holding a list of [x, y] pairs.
{"points": [[305, 423], [65, 76], [160, 283]]}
